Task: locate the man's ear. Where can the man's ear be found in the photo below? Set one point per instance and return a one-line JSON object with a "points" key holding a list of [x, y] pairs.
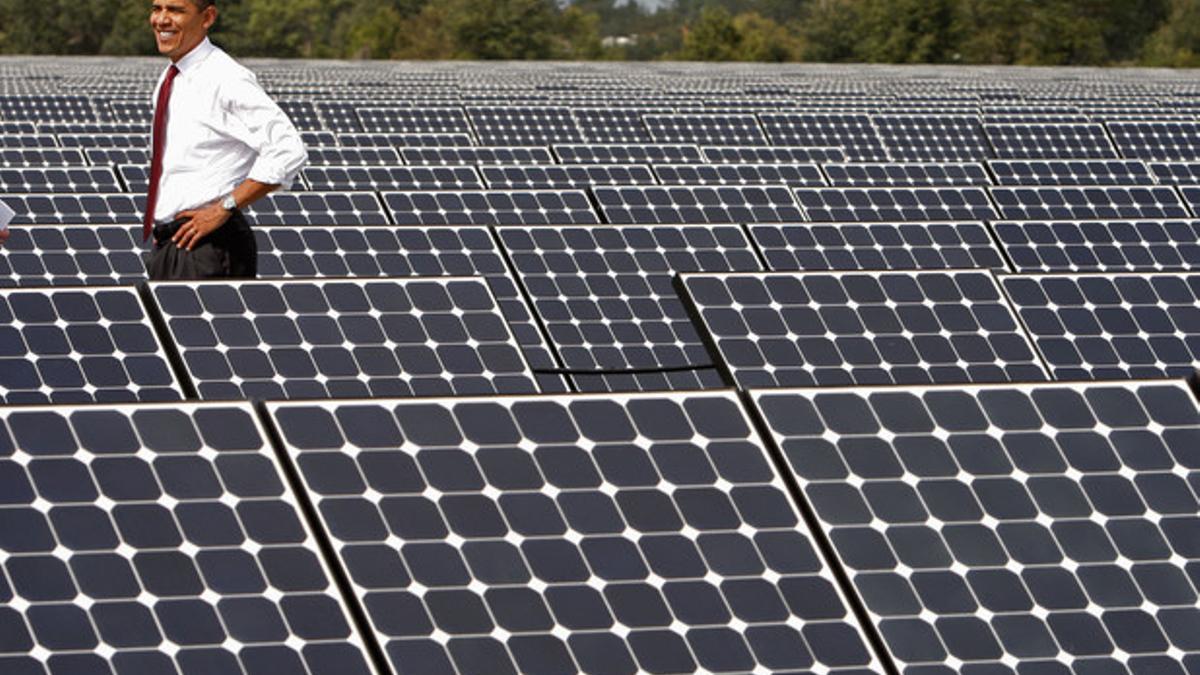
{"points": [[210, 16]]}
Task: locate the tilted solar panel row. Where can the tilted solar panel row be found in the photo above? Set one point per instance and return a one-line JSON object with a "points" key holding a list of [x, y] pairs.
{"points": [[1027, 528], [295, 339], [1036, 525]]}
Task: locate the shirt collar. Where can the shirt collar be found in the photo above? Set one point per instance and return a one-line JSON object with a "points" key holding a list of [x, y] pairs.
{"points": [[195, 57]]}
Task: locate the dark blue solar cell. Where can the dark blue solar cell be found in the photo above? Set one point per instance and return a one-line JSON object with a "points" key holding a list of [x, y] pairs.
{"points": [[126, 624], [61, 627]]}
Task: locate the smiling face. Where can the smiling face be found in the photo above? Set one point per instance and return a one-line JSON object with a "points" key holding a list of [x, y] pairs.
{"points": [[180, 25]]}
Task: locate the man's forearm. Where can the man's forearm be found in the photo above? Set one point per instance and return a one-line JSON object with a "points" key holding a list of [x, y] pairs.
{"points": [[251, 191]]}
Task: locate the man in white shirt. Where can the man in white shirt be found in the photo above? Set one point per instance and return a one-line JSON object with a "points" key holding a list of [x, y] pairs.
{"points": [[219, 143]]}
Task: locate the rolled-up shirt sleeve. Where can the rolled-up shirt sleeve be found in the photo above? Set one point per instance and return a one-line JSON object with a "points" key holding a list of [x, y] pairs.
{"points": [[261, 124]]}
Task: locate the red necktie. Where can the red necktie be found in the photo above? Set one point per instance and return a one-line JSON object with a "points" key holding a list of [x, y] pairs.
{"points": [[158, 140]]}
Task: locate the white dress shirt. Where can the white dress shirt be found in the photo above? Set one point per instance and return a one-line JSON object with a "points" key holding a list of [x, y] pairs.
{"points": [[222, 128]]}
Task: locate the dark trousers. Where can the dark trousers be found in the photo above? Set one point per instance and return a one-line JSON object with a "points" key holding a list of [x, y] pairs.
{"points": [[229, 252]]}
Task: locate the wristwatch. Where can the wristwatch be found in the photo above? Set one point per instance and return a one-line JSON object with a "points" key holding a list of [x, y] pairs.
{"points": [[229, 203]]}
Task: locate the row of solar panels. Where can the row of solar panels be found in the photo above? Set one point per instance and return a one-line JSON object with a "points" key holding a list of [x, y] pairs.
{"points": [[1033, 528], [862, 137], [111, 254], [350, 178], [507, 124], [655, 204], [623, 327]]}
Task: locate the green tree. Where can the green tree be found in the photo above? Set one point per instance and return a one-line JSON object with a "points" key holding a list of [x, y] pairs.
{"points": [[718, 36], [1126, 24], [503, 29], [830, 30], [986, 29], [131, 33], [712, 37], [906, 31], [295, 28], [763, 39], [55, 26], [1176, 43], [579, 34], [1061, 33]]}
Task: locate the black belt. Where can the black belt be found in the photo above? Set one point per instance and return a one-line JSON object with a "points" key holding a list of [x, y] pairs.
{"points": [[164, 231]]}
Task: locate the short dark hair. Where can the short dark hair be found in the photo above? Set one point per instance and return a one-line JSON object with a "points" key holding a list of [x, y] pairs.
{"points": [[203, 4]]}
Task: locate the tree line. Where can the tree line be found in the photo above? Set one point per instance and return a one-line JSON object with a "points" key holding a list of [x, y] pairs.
{"points": [[1024, 32]]}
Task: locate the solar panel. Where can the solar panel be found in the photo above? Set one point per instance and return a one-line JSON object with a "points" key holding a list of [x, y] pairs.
{"points": [[79, 346], [719, 129], [131, 111], [318, 208], [932, 138], [27, 141], [1112, 326], [1100, 245], [1191, 195], [895, 204], [1050, 141], [141, 140], [160, 539], [303, 114], [1163, 140], [1034, 528], [116, 156], [907, 174], [770, 154], [612, 125], [418, 120], [1077, 203], [1024, 108], [41, 158], [77, 179], [476, 155], [62, 209], [505, 125], [658, 153], [1176, 173], [47, 108], [72, 255], [606, 298], [877, 246], [342, 338], [361, 156], [317, 138], [565, 176], [840, 328], [338, 178], [409, 251], [404, 140], [644, 533], [135, 176], [490, 207], [739, 174], [1034, 118], [852, 132], [338, 116], [1071, 172], [120, 128], [14, 127], [697, 204]]}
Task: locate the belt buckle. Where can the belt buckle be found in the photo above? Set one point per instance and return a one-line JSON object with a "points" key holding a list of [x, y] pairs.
{"points": [[163, 231]]}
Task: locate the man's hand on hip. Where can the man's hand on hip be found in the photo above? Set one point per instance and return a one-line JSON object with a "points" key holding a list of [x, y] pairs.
{"points": [[201, 223]]}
